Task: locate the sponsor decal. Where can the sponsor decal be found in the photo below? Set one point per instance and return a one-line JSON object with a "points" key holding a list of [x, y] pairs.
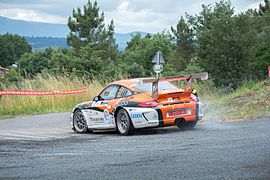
{"points": [[121, 102], [106, 115], [97, 120], [138, 122], [136, 115]]}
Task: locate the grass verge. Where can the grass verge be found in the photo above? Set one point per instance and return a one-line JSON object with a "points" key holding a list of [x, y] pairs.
{"points": [[11, 106], [249, 101]]}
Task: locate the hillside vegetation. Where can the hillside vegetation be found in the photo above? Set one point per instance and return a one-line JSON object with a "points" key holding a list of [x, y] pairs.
{"points": [[249, 101]]}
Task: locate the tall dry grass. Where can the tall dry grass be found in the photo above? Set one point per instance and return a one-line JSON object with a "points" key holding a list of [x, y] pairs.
{"points": [[21, 105]]}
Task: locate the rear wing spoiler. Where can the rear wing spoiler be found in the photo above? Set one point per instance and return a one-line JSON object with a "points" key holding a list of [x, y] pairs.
{"points": [[187, 78]]}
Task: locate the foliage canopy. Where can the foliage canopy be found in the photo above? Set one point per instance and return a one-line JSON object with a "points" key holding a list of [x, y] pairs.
{"points": [[232, 47]]}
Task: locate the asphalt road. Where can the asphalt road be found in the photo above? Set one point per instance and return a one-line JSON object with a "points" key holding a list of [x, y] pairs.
{"points": [[44, 147]]}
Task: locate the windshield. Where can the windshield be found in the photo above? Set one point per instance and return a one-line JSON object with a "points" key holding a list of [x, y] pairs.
{"points": [[147, 87]]}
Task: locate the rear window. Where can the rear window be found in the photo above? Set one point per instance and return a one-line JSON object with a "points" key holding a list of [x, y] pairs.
{"points": [[147, 87]]}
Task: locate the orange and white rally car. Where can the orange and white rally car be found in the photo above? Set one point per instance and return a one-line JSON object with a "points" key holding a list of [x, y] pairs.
{"points": [[131, 104]]}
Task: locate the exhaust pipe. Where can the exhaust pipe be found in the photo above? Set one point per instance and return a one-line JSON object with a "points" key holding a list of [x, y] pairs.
{"points": [[179, 121]]}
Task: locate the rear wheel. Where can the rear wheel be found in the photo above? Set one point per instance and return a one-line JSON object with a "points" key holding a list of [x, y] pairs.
{"points": [[190, 124], [124, 124], [79, 122], [186, 125]]}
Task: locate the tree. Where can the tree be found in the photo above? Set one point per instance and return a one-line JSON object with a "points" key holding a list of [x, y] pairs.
{"points": [[261, 60], [260, 52], [13, 76], [12, 47], [88, 27], [35, 62], [93, 45], [65, 61], [224, 41], [184, 37], [264, 9], [140, 52]]}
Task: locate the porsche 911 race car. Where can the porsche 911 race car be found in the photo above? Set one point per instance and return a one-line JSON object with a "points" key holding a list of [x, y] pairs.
{"points": [[131, 104]]}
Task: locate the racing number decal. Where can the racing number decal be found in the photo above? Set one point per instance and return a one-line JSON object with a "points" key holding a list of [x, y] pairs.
{"points": [[121, 102]]}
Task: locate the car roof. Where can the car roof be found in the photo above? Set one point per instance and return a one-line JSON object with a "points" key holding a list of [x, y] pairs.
{"points": [[129, 82]]}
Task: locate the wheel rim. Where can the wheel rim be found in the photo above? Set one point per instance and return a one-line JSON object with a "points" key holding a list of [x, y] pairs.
{"points": [[79, 121], [122, 122]]}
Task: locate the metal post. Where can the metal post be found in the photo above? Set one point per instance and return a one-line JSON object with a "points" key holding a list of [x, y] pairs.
{"points": [[53, 102], [157, 75]]}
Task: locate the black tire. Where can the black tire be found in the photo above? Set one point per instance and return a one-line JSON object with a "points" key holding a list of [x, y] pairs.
{"points": [[79, 122], [186, 125], [123, 123], [190, 124]]}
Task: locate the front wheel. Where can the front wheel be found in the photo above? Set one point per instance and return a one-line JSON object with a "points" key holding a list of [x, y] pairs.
{"points": [[79, 122], [124, 124]]}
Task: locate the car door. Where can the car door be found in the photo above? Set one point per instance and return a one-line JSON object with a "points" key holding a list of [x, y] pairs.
{"points": [[100, 116]]}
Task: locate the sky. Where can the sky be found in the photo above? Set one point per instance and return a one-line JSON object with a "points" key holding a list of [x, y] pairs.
{"points": [[128, 15]]}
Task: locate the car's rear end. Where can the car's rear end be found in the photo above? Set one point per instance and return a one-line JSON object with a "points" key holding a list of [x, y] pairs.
{"points": [[179, 107], [172, 106]]}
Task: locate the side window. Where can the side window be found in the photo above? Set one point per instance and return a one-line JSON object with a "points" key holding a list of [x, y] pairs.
{"points": [[109, 93], [123, 92]]}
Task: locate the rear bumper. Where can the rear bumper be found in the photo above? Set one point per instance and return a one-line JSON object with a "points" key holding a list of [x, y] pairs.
{"points": [[143, 117], [158, 117], [194, 110], [199, 111]]}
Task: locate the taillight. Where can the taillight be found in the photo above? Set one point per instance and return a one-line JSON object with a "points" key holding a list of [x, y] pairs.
{"points": [[148, 104]]}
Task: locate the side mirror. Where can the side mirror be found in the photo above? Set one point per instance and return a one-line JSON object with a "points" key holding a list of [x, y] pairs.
{"points": [[96, 98]]}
